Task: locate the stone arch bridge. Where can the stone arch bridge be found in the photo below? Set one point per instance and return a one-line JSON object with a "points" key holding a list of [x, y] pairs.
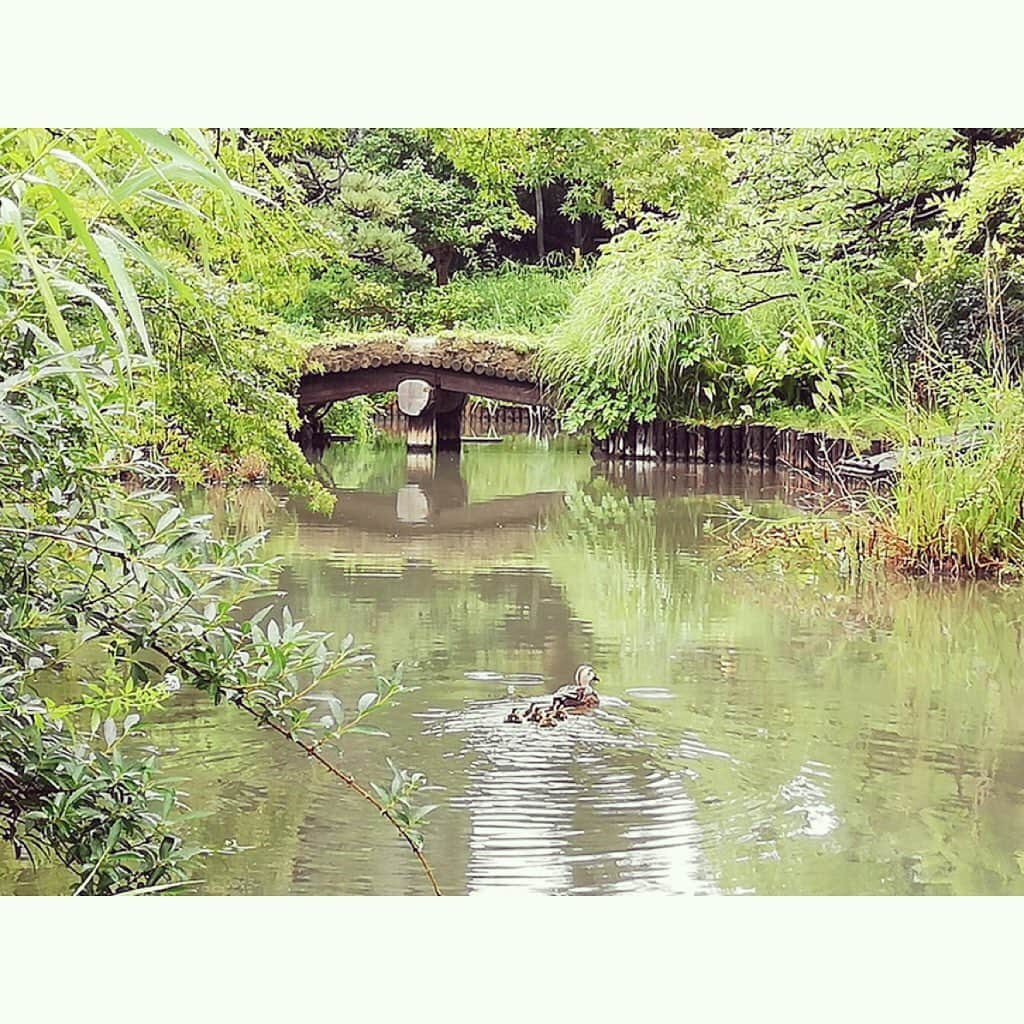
{"points": [[432, 375]]}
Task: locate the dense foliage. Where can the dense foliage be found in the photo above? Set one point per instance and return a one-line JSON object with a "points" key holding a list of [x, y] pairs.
{"points": [[844, 276], [842, 267], [114, 293]]}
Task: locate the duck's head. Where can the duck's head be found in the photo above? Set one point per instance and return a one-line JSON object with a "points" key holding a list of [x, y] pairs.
{"points": [[586, 677]]}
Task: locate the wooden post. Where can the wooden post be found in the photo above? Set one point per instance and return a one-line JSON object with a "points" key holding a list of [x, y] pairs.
{"points": [[448, 420], [712, 445], [658, 442], [630, 433], [753, 445], [683, 445], [644, 447], [808, 451], [419, 432], [783, 443], [725, 452], [739, 444], [793, 446], [699, 436]]}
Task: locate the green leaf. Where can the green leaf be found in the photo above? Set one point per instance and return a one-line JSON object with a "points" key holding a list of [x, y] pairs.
{"points": [[112, 256], [170, 516], [16, 423], [367, 730]]}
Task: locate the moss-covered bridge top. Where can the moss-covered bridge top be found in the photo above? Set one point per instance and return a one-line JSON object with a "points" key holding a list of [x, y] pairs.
{"points": [[491, 366]]}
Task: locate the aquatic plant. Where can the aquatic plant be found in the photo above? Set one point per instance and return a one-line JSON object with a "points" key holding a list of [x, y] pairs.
{"points": [[956, 511]]}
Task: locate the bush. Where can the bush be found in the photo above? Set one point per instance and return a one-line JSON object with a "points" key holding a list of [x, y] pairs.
{"points": [[657, 331]]}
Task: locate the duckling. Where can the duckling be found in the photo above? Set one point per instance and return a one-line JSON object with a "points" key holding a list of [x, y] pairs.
{"points": [[580, 694], [544, 715], [513, 716]]}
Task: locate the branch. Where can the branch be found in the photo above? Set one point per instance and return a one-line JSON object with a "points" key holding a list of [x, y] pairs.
{"points": [[743, 307], [1001, 138], [309, 750], [349, 781]]}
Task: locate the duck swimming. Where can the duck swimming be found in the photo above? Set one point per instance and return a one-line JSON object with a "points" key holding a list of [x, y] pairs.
{"points": [[579, 695]]}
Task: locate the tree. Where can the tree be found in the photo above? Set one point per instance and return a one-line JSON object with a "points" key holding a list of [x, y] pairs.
{"points": [[420, 200], [796, 276], [617, 174]]}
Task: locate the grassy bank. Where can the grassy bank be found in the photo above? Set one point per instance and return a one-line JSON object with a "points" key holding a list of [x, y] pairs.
{"points": [[948, 513]]}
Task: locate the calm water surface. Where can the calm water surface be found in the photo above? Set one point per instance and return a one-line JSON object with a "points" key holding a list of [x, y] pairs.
{"points": [[757, 734]]}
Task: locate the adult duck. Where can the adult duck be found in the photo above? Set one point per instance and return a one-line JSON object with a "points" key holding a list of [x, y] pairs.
{"points": [[580, 694]]}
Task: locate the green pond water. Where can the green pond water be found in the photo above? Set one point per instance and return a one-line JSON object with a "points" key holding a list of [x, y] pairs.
{"points": [[757, 734]]}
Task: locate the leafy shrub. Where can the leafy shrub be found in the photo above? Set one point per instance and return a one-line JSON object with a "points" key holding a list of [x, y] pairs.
{"points": [[656, 331], [86, 406]]}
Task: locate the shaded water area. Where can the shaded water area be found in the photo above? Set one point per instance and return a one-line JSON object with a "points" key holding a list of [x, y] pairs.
{"points": [[757, 734]]}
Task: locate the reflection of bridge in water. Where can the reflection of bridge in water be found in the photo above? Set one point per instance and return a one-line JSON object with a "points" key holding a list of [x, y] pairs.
{"points": [[434, 497], [590, 806], [579, 808]]}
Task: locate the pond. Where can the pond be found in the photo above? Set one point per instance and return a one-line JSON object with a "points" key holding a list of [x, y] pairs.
{"points": [[757, 734]]}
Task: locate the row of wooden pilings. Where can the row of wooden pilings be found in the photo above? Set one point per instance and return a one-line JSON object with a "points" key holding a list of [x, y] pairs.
{"points": [[668, 441], [502, 419], [750, 444]]}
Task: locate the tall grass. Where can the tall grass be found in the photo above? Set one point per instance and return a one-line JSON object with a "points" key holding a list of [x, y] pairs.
{"points": [[952, 512], [628, 323], [662, 329], [516, 298]]}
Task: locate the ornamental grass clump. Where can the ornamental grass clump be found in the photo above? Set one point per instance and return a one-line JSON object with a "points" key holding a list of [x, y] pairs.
{"points": [[955, 513]]}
